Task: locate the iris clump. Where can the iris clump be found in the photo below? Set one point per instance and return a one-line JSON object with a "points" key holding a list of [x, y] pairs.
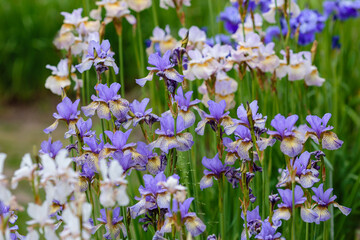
{"points": [[142, 169]]}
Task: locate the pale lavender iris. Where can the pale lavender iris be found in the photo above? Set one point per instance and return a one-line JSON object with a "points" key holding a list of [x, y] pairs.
{"points": [[319, 131], [323, 199], [215, 168], [162, 67], [253, 222], [112, 228], [100, 56], [95, 145], [291, 145], [50, 148], [154, 163], [192, 223], [167, 138], [184, 104], [217, 117], [140, 113], [68, 112], [118, 140], [108, 101], [268, 232]]}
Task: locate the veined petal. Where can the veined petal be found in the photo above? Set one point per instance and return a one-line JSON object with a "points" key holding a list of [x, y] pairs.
{"points": [[322, 212], [230, 158], [90, 109], [172, 74], [308, 215], [330, 141], [201, 126], [163, 200], [345, 210], [263, 143], [308, 180], [103, 111], [243, 150], [206, 181], [169, 221], [142, 81], [189, 118], [282, 213], [119, 108], [291, 146], [52, 127], [226, 121], [153, 165], [194, 225], [185, 141]]}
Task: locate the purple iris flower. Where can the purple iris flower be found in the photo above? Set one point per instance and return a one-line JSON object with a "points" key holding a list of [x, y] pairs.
{"points": [[253, 222], [118, 140], [153, 196], [101, 58], [112, 228], [215, 168], [154, 163], [306, 175], [258, 118], [95, 144], [67, 111], [319, 131], [167, 139], [335, 42], [84, 128], [291, 145], [231, 18], [108, 101], [140, 113], [127, 163], [285, 208], [308, 22], [50, 148], [240, 146], [164, 69], [221, 39], [3, 209], [342, 10], [323, 200], [87, 173], [184, 104], [268, 232], [272, 32], [193, 224], [217, 117]]}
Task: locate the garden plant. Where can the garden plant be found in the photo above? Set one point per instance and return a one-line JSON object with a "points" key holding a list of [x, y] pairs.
{"points": [[239, 132]]}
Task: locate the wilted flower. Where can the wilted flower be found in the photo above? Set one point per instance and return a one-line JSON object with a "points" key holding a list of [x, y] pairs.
{"points": [[60, 77], [108, 101], [192, 223], [320, 132], [168, 139], [67, 111]]}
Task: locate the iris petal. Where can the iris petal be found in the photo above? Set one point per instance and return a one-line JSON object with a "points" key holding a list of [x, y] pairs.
{"points": [[330, 141], [291, 146]]}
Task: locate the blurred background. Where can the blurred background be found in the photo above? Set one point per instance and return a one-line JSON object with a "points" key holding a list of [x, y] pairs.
{"points": [[27, 30]]}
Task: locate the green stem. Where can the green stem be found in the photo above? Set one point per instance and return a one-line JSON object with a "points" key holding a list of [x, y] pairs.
{"points": [[141, 45], [121, 65], [155, 16], [307, 232], [221, 208], [83, 96], [293, 211]]}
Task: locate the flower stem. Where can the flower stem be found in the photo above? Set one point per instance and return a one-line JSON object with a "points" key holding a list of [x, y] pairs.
{"points": [[121, 64], [293, 211], [141, 45], [221, 208]]}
